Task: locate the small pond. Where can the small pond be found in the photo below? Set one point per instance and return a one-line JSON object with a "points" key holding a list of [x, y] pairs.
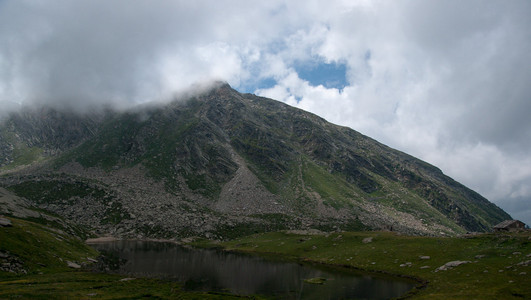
{"points": [[214, 270]]}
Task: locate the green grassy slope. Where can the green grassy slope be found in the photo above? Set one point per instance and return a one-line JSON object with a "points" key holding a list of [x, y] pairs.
{"points": [[42, 249], [42, 252], [21, 154]]}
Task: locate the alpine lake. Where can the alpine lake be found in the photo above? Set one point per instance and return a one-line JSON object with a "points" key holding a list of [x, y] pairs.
{"points": [[244, 274]]}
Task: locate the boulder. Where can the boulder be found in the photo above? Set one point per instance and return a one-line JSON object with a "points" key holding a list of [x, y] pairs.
{"points": [[73, 265], [367, 240], [127, 279], [4, 222], [452, 264]]}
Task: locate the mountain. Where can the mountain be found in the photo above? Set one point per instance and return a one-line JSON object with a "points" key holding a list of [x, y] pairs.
{"points": [[221, 164]]}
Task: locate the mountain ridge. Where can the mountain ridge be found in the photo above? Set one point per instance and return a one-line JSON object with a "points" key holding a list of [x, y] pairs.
{"points": [[243, 163]]}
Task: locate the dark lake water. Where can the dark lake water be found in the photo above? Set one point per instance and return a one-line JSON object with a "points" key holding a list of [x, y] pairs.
{"points": [[213, 270]]}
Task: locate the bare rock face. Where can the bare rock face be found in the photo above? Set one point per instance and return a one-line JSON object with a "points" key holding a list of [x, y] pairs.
{"points": [[10, 204], [220, 163]]}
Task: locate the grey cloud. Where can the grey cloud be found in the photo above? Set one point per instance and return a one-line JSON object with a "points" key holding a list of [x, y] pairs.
{"points": [[520, 208], [76, 52], [485, 47], [90, 50]]}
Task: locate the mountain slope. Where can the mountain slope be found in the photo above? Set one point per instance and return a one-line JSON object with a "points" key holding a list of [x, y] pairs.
{"points": [[221, 163], [33, 134]]}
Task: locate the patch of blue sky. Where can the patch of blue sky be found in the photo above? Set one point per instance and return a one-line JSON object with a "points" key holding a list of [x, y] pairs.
{"points": [[250, 86], [330, 75]]}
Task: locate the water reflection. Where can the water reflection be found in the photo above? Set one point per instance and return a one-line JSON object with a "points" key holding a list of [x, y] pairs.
{"points": [[209, 270]]}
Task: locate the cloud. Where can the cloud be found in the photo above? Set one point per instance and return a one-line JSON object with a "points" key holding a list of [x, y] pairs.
{"points": [[447, 82], [76, 52]]}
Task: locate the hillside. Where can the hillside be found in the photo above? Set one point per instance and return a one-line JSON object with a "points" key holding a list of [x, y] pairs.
{"points": [[222, 164]]}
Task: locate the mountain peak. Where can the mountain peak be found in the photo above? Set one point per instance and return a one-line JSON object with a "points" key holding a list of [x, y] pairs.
{"points": [[226, 164]]}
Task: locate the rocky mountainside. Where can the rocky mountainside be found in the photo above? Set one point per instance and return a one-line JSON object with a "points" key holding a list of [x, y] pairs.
{"points": [[221, 164], [34, 134]]}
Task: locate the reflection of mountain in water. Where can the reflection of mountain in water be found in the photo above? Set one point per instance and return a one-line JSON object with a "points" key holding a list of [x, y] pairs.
{"points": [[205, 270]]}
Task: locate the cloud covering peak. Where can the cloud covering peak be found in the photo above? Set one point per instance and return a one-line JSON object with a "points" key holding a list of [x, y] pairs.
{"points": [[445, 81]]}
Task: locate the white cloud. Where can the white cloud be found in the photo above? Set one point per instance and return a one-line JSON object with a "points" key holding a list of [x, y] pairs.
{"points": [[444, 82]]}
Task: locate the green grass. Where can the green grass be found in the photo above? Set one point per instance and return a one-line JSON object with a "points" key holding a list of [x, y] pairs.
{"points": [[42, 248], [22, 154], [44, 252], [392, 195], [481, 279], [46, 191], [333, 188], [88, 285], [496, 275]]}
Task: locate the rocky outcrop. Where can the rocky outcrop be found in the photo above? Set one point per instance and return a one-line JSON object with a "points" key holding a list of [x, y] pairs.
{"points": [[12, 264]]}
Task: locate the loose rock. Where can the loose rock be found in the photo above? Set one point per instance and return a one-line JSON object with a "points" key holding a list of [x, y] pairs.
{"points": [[452, 264], [127, 279], [367, 240], [524, 263], [4, 222], [72, 265]]}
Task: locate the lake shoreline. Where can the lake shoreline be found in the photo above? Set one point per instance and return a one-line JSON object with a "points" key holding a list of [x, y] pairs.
{"points": [[107, 239], [215, 245], [257, 263], [421, 283], [415, 258]]}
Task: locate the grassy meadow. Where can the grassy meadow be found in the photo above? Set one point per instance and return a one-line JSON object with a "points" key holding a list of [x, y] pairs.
{"points": [[498, 265], [495, 267]]}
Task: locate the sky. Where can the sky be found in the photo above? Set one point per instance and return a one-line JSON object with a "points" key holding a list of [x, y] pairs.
{"points": [[446, 81]]}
